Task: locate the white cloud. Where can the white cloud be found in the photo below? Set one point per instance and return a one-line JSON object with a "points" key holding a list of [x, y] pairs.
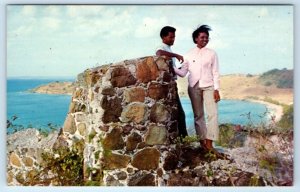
{"points": [[84, 10], [28, 10], [100, 21], [263, 12], [53, 10], [51, 23]]}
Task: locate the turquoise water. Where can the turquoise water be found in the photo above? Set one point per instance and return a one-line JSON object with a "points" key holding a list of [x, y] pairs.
{"points": [[229, 111], [38, 110], [32, 109]]}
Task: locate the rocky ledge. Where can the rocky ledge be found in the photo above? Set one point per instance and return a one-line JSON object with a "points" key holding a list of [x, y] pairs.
{"points": [[185, 165]]}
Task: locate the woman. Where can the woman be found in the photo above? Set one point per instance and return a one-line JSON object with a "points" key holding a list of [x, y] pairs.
{"points": [[202, 65]]}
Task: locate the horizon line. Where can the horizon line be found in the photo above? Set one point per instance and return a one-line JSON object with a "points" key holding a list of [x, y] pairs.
{"points": [[71, 77]]}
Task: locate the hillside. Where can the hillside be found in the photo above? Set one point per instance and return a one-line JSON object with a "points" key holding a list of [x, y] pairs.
{"points": [[280, 78]]}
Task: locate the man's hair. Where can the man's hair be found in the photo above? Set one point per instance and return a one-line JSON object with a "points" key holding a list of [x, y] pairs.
{"points": [[201, 29], [165, 31]]}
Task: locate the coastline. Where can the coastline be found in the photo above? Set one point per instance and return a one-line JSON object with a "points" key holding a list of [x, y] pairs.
{"points": [[276, 111]]}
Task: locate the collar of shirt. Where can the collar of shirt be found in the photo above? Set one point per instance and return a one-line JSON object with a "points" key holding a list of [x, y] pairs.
{"points": [[167, 47]]}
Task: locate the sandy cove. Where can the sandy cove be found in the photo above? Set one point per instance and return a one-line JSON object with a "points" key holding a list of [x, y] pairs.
{"points": [[243, 87], [276, 111]]}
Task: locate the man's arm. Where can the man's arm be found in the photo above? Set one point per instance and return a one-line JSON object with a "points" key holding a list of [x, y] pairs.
{"points": [[168, 54]]}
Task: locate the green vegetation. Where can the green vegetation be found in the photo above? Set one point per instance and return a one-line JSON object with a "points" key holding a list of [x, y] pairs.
{"points": [[270, 100], [66, 166], [268, 83], [210, 155], [266, 162], [92, 135], [229, 137], [254, 180], [286, 122], [280, 78], [187, 139], [92, 183], [253, 97], [96, 176], [62, 167]]}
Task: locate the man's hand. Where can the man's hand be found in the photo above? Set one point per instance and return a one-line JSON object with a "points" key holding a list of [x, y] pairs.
{"points": [[179, 58], [217, 96]]}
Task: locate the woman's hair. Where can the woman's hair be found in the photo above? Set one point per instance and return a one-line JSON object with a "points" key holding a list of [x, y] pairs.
{"points": [[201, 29], [165, 31]]}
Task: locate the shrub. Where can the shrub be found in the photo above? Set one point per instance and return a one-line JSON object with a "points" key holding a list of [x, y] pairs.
{"points": [[231, 136], [66, 166], [268, 83], [287, 119]]}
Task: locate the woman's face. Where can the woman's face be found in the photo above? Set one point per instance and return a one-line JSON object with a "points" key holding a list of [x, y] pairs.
{"points": [[202, 40]]}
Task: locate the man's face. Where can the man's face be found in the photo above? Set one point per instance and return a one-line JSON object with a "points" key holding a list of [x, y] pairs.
{"points": [[169, 39], [202, 40]]}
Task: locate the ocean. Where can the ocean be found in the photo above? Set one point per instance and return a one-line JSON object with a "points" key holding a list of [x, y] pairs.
{"points": [[42, 111]]}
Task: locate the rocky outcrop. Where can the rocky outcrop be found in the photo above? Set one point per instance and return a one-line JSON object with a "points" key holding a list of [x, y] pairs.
{"points": [[24, 154], [121, 120]]}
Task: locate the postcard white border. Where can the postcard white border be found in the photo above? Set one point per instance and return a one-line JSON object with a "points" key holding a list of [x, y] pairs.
{"points": [[5, 188]]}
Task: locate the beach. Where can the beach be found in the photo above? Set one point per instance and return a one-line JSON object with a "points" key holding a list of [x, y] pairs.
{"points": [[248, 88], [276, 111]]}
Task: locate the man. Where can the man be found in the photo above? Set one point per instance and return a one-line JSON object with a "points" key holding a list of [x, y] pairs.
{"points": [[167, 35], [202, 65]]}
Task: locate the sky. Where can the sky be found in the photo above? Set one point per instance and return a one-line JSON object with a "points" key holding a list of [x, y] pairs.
{"points": [[64, 40]]}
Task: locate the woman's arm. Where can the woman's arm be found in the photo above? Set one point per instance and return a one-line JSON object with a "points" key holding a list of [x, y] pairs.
{"points": [[183, 70], [215, 72]]}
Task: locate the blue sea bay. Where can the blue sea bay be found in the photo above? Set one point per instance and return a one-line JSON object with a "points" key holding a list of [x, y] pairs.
{"points": [[38, 110], [33, 109]]}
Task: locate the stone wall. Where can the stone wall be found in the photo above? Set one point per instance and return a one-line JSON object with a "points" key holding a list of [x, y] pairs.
{"points": [[124, 114]]}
